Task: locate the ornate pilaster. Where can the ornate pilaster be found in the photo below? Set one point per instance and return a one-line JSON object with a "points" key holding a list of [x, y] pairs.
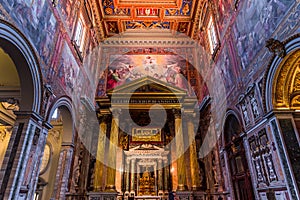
{"points": [[22, 159], [132, 185], [98, 182], [180, 151], [113, 144], [193, 154], [63, 171], [160, 178], [33, 167]]}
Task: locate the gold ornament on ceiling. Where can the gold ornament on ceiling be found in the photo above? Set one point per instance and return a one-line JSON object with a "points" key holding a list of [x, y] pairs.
{"points": [[186, 9], [147, 24], [107, 3], [172, 11], [108, 11], [157, 25]]}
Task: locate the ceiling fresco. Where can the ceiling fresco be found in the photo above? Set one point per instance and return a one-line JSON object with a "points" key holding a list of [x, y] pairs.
{"points": [[121, 15]]}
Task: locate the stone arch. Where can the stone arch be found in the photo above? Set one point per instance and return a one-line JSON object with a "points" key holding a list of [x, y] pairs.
{"points": [[64, 104], [27, 97], [21, 52], [280, 84], [229, 114], [237, 166], [61, 137]]}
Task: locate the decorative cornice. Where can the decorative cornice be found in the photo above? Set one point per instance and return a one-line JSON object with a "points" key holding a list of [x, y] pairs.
{"points": [[100, 34], [145, 43], [198, 12], [153, 38]]}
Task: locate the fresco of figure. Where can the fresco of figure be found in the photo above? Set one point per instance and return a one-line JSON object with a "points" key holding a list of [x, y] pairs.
{"points": [[113, 79], [180, 80], [126, 68]]}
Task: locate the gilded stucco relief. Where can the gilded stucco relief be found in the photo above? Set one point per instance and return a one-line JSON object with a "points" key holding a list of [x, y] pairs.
{"points": [[287, 83]]}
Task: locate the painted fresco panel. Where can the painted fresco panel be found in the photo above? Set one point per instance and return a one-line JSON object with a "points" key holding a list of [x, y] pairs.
{"points": [[224, 10], [126, 68], [37, 22], [67, 11], [255, 23], [68, 69], [88, 88], [101, 87], [227, 68]]}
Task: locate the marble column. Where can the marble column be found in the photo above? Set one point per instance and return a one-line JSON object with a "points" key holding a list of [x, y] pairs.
{"points": [[195, 178], [112, 152], [132, 186], [98, 182], [166, 176], [127, 177], [63, 171], [33, 170], [160, 177], [180, 151]]}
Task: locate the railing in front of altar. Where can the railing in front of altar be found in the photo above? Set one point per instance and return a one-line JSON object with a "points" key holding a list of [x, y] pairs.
{"points": [[147, 197], [76, 197]]}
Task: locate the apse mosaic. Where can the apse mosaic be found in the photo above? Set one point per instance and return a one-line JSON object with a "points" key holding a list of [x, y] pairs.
{"points": [[126, 68]]}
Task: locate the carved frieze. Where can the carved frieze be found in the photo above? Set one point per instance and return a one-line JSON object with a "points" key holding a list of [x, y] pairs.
{"points": [[249, 105], [261, 153]]}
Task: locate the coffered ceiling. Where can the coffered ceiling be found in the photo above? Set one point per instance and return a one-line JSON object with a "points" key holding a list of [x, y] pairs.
{"points": [[121, 15]]}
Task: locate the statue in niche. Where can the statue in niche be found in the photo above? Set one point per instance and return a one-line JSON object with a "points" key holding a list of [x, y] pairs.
{"points": [[254, 105], [92, 179], [77, 173], [245, 113], [202, 173], [214, 170], [124, 141], [147, 184]]}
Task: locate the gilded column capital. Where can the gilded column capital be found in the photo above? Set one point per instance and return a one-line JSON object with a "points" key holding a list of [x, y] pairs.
{"points": [[165, 160], [115, 112], [191, 116], [104, 118], [177, 113]]}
